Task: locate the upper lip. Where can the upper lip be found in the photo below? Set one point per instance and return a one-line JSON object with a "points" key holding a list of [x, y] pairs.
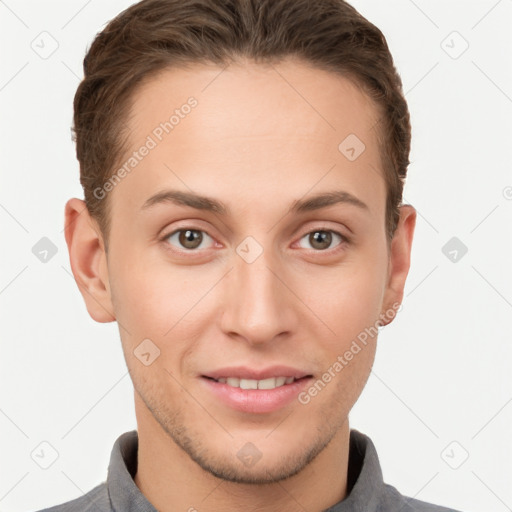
{"points": [[244, 372]]}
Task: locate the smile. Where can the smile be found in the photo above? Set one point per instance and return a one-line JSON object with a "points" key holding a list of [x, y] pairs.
{"points": [[270, 383]]}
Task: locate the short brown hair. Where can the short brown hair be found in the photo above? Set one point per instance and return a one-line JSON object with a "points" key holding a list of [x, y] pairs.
{"points": [[153, 35]]}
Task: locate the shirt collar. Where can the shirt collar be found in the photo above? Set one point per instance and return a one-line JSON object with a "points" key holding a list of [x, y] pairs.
{"points": [[364, 479], [365, 485], [124, 494]]}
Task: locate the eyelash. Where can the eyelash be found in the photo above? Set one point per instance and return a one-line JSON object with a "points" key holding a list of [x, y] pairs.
{"points": [[344, 240]]}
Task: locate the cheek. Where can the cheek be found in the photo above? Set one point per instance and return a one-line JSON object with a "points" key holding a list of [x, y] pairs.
{"points": [[151, 295], [349, 299], [163, 303], [350, 308]]}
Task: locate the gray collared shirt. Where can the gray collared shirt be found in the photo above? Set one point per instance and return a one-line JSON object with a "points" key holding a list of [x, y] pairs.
{"points": [[366, 490]]}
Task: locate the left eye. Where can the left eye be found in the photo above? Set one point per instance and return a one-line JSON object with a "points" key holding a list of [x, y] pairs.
{"points": [[321, 239], [189, 238]]}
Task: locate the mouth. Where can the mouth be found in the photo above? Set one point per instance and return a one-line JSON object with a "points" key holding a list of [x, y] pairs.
{"points": [[269, 383], [256, 396]]}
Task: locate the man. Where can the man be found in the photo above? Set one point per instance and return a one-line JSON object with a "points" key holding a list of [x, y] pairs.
{"points": [[242, 164]]}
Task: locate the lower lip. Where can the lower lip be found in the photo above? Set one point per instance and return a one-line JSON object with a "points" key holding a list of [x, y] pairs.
{"points": [[257, 400]]}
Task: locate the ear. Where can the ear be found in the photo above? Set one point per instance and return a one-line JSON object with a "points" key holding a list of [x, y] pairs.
{"points": [[88, 260], [399, 263]]}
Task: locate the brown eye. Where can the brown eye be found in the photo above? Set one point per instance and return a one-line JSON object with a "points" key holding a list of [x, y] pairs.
{"points": [[188, 238], [322, 239]]}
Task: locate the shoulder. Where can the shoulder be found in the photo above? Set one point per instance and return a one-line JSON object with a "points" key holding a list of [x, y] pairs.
{"points": [[95, 500], [391, 498]]}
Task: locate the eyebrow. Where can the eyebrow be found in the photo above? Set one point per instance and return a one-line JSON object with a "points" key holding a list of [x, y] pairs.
{"points": [[193, 200]]}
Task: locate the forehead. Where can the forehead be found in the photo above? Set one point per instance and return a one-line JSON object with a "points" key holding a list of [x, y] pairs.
{"points": [[251, 127], [251, 99]]}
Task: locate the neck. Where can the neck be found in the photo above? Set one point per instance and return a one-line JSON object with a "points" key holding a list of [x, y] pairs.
{"points": [[170, 480]]}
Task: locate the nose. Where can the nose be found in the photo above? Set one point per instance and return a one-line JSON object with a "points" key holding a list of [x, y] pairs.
{"points": [[259, 306]]}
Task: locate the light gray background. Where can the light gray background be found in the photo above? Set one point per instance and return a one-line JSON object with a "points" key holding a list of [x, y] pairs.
{"points": [[442, 373]]}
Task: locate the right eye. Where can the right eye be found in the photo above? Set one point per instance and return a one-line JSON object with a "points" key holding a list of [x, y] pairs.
{"points": [[187, 239]]}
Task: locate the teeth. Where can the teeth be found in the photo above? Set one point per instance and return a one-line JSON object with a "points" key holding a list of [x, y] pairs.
{"points": [[247, 383], [271, 383]]}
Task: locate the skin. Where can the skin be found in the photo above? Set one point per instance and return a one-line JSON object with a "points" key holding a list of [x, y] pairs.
{"points": [[260, 138]]}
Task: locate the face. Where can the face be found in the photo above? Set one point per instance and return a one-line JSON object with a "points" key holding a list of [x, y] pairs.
{"points": [[283, 262]]}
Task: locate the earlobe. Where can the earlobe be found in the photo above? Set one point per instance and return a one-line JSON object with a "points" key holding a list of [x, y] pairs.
{"points": [[399, 263], [88, 260]]}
